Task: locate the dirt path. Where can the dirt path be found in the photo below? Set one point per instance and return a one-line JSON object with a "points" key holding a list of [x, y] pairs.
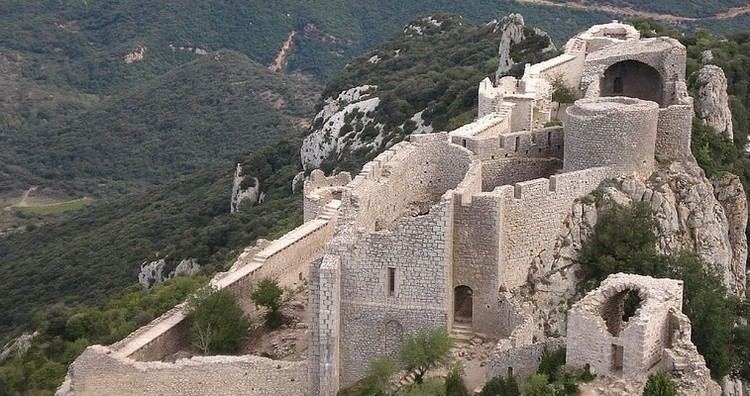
{"points": [[24, 202], [630, 12], [280, 61]]}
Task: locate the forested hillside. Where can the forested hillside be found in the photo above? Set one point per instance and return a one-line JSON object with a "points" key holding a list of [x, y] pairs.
{"points": [[92, 254], [215, 108]]}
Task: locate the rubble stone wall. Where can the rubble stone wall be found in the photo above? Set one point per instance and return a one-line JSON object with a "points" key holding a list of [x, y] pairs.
{"points": [[99, 372]]}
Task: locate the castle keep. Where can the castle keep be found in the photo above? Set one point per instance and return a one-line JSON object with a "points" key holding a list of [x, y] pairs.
{"points": [[440, 230]]}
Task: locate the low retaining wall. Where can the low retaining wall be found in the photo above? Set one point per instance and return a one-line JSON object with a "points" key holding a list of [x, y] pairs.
{"points": [[99, 372]]}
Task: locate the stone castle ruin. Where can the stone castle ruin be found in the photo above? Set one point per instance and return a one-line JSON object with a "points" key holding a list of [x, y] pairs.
{"points": [[444, 229]]}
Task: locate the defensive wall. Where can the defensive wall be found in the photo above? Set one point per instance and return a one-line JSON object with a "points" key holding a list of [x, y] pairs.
{"points": [[135, 360], [99, 372]]}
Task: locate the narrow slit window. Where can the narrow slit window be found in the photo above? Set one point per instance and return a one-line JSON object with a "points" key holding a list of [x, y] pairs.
{"points": [[391, 282], [518, 143]]}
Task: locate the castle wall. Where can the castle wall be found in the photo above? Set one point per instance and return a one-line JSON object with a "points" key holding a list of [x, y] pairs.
{"points": [[541, 143], [375, 320], [616, 132], [98, 372], [500, 172], [287, 255], [532, 216], [319, 190], [476, 252], [521, 361], [567, 67], [410, 174]]}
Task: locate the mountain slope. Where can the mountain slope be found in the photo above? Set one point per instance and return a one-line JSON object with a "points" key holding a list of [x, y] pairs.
{"points": [[214, 108], [94, 253]]}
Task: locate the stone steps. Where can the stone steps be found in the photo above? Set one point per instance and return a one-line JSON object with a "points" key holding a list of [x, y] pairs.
{"points": [[462, 332]]}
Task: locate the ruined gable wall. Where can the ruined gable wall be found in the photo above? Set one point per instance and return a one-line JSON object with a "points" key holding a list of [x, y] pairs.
{"points": [[420, 250], [666, 55], [532, 216], [643, 338], [97, 372], [476, 251]]}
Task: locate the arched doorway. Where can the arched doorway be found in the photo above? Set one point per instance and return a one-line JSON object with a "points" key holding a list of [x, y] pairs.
{"points": [[633, 79], [463, 304]]}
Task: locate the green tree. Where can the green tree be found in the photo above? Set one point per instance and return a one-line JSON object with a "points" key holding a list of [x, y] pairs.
{"points": [[623, 241], [660, 384], [424, 351], [269, 295], [217, 323], [500, 386], [454, 383], [378, 378], [552, 363], [538, 385]]}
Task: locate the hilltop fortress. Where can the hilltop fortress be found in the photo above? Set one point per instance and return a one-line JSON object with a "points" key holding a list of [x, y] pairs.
{"points": [[444, 229]]}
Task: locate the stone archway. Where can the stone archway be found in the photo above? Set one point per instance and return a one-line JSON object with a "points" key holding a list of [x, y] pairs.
{"points": [[633, 79], [463, 304]]}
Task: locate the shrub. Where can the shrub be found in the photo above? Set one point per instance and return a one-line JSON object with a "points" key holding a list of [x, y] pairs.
{"points": [[552, 363], [454, 384], [424, 351], [500, 386], [538, 385], [269, 295], [217, 323], [660, 384]]}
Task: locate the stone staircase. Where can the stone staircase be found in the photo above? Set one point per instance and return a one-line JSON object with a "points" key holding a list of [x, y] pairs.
{"points": [[462, 332]]}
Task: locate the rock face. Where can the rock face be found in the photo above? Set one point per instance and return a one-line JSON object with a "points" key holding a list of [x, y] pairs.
{"points": [[152, 273], [17, 346], [331, 131], [251, 194], [691, 214], [511, 30], [713, 100]]}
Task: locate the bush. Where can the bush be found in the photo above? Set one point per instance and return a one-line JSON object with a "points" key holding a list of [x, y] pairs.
{"points": [[500, 386], [538, 385], [269, 295], [552, 363], [660, 384], [454, 384], [217, 323], [424, 351]]}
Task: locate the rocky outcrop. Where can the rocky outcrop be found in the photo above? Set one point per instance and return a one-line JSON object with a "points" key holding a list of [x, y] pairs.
{"points": [[691, 214], [250, 194], [713, 100], [340, 125], [511, 30], [155, 272], [17, 346]]}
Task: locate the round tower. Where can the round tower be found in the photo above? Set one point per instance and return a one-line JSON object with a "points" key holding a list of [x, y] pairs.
{"points": [[617, 132]]}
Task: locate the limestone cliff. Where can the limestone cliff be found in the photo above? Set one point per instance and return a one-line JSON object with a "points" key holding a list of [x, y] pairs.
{"points": [[713, 100], [155, 272], [240, 195], [691, 214], [513, 30]]}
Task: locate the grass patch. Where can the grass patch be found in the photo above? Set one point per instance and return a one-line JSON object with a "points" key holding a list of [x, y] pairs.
{"points": [[56, 208]]}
